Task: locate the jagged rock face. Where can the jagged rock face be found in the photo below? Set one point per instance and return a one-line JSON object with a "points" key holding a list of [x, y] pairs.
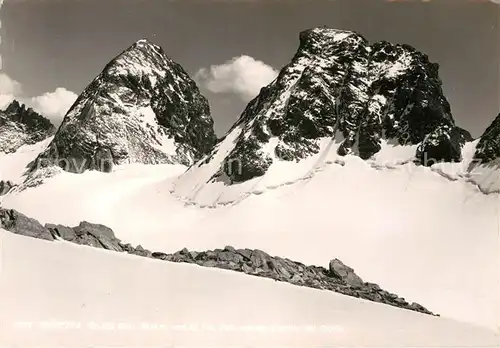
{"points": [[488, 147], [20, 126], [6, 186], [338, 85], [142, 108]]}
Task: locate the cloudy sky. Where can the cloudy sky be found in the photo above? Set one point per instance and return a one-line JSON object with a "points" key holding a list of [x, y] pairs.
{"points": [[52, 49]]}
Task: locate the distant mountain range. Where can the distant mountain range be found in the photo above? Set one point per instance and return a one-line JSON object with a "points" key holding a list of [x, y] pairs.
{"points": [[351, 151], [144, 108]]}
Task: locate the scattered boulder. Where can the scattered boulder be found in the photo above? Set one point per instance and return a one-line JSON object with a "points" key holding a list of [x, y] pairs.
{"points": [[230, 257], [184, 251], [97, 235], [160, 256], [278, 266], [62, 232], [259, 259], [246, 253], [339, 270], [15, 222], [86, 233], [140, 251], [297, 279], [95, 229], [193, 254], [338, 277], [90, 240], [230, 249], [128, 248]]}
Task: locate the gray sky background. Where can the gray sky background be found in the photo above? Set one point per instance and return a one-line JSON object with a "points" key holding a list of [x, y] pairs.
{"points": [[47, 44]]}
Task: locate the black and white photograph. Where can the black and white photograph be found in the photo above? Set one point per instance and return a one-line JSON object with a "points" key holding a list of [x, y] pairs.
{"points": [[249, 173]]}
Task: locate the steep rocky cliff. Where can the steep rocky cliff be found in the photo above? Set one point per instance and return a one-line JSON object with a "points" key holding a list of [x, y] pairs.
{"points": [[142, 108]]}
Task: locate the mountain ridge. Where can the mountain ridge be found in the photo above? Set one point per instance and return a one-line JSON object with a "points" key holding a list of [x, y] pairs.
{"points": [[339, 86], [143, 107], [21, 125], [488, 148], [388, 216]]}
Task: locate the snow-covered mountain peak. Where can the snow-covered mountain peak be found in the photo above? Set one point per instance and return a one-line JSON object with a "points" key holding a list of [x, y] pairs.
{"points": [[338, 85], [339, 95], [20, 125], [144, 42], [142, 58], [143, 45], [142, 108], [326, 32], [317, 40]]}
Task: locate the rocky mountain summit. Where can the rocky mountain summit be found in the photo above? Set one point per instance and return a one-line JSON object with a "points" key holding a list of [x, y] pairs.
{"points": [[20, 125], [142, 108], [488, 147], [340, 86], [338, 277]]}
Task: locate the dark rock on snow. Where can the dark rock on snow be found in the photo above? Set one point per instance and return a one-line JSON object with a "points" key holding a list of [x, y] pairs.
{"points": [[6, 186], [339, 270], [339, 277], [86, 233], [62, 232], [92, 234], [15, 222]]}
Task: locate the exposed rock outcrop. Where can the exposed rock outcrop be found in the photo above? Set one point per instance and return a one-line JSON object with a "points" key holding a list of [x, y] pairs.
{"points": [[339, 277], [488, 147], [15, 222], [6, 186], [20, 126]]}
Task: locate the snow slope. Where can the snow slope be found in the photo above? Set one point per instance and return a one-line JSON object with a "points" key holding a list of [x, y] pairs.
{"points": [[13, 165], [408, 228], [55, 294], [197, 187]]}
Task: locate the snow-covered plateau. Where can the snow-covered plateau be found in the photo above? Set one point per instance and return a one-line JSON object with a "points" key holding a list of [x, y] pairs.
{"points": [[63, 295]]}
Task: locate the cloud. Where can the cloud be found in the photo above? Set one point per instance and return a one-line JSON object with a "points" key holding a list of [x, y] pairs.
{"points": [[52, 105], [8, 85], [5, 100], [9, 88], [242, 75]]}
